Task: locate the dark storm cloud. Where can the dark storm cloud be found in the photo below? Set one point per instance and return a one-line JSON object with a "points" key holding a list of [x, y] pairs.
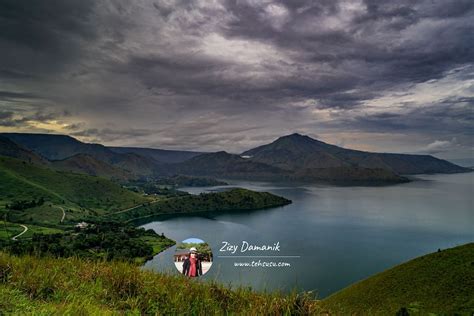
{"points": [[38, 37], [365, 42], [454, 116], [10, 95], [40, 24], [164, 71], [12, 75], [357, 62]]}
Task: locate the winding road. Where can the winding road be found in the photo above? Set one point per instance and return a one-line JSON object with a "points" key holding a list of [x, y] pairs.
{"points": [[24, 231], [64, 214]]}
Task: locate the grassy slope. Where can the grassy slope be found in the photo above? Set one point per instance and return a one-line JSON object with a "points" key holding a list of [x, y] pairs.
{"points": [[21, 180], [79, 195], [8, 230], [73, 286], [46, 214], [441, 283]]}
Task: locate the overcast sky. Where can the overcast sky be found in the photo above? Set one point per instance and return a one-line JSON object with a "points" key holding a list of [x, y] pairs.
{"points": [[392, 76]]}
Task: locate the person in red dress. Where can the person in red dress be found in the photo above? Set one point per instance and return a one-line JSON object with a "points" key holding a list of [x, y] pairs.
{"points": [[192, 266]]}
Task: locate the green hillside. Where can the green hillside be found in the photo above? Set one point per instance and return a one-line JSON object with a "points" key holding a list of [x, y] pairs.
{"points": [[21, 180], [82, 163], [440, 283], [231, 200], [72, 286], [39, 208]]}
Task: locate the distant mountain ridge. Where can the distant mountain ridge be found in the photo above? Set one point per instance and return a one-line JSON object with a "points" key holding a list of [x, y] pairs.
{"points": [[59, 147], [293, 157], [83, 163], [224, 165], [9, 148], [297, 151], [160, 155], [231, 166]]}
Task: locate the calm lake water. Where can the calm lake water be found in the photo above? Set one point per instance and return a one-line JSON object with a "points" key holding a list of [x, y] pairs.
{"points": [[339, 235]]}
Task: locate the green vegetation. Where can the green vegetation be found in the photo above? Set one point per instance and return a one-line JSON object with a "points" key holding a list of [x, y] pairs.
{"points": [[8, 230], [157, 242], [231, 200], [189, 181], [51, 202], [47, 286], [157, 190], [20, 180], [46, 214], [441, 283], [438, 283], [149, 186], [108, 240], [24, 204]]}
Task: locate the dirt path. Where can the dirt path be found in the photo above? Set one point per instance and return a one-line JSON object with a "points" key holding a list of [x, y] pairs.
{"points": [[132, 208], [64, 214], [24, 231]]}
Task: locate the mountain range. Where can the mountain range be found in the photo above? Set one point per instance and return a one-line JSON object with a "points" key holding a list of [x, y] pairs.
{"points": [[293, 157], [294, 152]]}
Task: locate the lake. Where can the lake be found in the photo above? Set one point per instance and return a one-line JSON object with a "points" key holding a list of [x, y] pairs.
{"points": [[334, 235]]}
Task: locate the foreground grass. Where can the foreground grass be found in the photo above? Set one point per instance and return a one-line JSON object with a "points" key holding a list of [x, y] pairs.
{"points": [[439, 283], [48, 286]]}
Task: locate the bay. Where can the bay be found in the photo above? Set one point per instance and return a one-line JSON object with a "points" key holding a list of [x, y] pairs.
{"points": [[334, 236]]}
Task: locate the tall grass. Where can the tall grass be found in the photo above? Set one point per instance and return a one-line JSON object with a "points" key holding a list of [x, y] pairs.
{"points": [[77, 286]]}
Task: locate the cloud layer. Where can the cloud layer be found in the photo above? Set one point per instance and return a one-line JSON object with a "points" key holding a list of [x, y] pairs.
{"points": [[210, 75]]}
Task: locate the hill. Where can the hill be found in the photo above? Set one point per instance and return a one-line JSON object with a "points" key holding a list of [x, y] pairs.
{"points": [[438, 283], [59, 147], [9, 148], [224, 165], [231, 166], [236, 199], [296, 152], [293, 157], [83, 163], [20, 180], [56, 147], [79, 163], [159, 155]]}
